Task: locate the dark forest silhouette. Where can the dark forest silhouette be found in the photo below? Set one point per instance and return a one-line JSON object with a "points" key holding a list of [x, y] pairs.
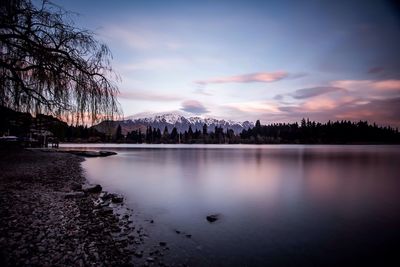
{"points": [[307, 132]]}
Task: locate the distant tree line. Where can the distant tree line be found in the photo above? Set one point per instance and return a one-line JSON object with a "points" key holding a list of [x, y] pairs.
{"points": [[307, 132], [156, 136], [311, 132]]}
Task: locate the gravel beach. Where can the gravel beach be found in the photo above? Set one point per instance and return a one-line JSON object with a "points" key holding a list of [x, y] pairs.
{"points": [[48, 219]]}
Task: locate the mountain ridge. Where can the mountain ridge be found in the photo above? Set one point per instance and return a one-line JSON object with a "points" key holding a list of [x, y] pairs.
{"points": [[171, 120]]}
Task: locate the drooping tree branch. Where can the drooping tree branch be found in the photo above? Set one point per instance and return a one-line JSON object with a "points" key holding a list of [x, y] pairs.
{"points": [[50, 66]]}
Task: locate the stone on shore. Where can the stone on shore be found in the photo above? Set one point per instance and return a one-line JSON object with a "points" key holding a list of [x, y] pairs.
{"points": [[114, 198], [139, 254], [78, 194], [52, 221], [92, 188], [117, 198]]}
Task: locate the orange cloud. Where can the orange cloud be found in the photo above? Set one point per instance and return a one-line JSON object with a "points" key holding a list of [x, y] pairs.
{"points": [[320, 104]]}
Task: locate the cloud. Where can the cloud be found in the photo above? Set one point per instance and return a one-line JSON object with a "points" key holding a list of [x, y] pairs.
{"points": [[262, 77], [194, 106], [315, 105], [149, 96], [382, 85], [372, 100], [315, 91], [254, 106], [387, 85], [381, 111], [352, 84]]}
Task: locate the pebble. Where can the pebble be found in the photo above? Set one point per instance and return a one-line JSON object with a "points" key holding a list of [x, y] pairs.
{"points": [[139, 254]]}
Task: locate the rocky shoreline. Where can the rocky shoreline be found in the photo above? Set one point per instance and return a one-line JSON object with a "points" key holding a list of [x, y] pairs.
{"points": [[51, 217]]}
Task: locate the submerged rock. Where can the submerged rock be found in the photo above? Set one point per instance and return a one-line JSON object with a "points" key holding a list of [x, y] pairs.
{"points": [[212, 218], [106, 153], [85, 153]]}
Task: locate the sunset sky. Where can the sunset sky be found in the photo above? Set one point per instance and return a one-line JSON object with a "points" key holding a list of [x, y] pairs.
{"points": [[247, 60]]}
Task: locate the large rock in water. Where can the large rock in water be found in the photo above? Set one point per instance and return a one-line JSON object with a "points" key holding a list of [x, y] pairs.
{"points": [[212, 218], [117, 198]]}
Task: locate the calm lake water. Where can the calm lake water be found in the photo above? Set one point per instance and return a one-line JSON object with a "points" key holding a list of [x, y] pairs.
{"points": [[280, 205]]}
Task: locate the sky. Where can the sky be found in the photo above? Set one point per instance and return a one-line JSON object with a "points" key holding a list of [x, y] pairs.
{"points": [[277, 61]]}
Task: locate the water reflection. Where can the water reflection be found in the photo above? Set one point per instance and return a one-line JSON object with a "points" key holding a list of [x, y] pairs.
{"points": [[289, 205]]}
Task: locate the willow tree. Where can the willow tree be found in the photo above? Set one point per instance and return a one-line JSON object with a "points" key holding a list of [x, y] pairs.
{"points": [[48, 65]]}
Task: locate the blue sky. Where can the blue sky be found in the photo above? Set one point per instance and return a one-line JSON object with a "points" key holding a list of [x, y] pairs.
{"points": [[248, 60]]}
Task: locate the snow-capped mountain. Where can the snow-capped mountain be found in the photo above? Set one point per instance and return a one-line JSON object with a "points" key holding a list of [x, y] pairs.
{"points": [[171, 120]]}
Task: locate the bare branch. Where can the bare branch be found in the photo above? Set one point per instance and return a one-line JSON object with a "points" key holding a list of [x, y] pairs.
{"points": [[48, 65]]}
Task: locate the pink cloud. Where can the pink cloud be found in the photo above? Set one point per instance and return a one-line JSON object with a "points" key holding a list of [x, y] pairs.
{"points": [[320, 104], [263, 77], [387, 85], [352, 84], [254, 107], [315, 91], [381, 111]]}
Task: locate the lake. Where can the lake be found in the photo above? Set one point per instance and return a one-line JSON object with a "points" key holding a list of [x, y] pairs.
{"points": [[279, 205]]}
